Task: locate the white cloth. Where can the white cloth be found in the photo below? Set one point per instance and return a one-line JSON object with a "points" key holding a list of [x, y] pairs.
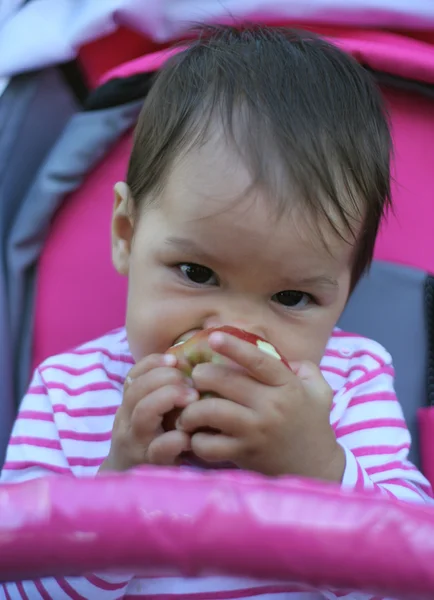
{"points": [[46, 32]]}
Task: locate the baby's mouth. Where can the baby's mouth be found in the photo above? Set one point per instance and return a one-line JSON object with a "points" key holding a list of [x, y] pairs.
{"points": [[189, 334], [185, 336]]}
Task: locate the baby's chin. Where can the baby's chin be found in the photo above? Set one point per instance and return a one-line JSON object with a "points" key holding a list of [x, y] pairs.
{"points": [[189, 459]]}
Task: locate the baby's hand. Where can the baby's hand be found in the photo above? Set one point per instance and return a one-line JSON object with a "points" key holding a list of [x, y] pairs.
{"points": [[153, 387], [270, 419]]}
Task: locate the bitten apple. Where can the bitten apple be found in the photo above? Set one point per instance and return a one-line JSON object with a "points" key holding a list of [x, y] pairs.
{"points": [[196, 350]]}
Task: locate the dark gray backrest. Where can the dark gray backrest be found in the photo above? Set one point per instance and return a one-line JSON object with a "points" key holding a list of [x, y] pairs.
{"points": [[388, 306], [34, 109]]}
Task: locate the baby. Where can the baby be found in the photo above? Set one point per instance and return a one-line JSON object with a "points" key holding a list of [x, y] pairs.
{"points": [[255, 188]]}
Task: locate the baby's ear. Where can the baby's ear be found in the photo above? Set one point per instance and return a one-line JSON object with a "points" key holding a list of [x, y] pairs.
{"points": [[122, 228]]}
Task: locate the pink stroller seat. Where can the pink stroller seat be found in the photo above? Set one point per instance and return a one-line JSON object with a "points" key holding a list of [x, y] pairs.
{"points": [[233, 523]]}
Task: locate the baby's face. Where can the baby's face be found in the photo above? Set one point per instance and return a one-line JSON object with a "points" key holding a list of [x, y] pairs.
{"points": [[210, 253]]}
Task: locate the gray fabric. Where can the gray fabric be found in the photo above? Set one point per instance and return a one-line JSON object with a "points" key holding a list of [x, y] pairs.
{"points": [[388, 306], [85, 140], [29, 125]]}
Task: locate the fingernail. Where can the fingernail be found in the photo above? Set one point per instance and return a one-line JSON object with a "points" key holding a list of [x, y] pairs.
{"points": [[192, 395], [128, 380], [217, 338], [178, 424], [169, 360], [198, 368]]}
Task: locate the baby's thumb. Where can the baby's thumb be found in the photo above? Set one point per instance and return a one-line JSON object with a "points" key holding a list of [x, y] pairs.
{"points": [[313, 380], [165, 449]]}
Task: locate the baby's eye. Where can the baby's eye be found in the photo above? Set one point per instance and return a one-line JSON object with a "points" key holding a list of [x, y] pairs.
{"points": [[198, 274], [292, 299]]}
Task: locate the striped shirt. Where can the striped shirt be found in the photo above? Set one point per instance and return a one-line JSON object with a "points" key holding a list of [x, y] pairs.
{"points": [[65, 422]]}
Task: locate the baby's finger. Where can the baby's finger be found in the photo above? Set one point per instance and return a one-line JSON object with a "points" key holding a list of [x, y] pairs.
{"points": [[226, 382], [263, 365], [217, 413], [166, 448], [146, 384], [148, 414], [215, 448], [152, 361]]}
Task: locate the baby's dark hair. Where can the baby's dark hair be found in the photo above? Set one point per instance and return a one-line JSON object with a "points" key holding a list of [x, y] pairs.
{"points": [[285, 98]]}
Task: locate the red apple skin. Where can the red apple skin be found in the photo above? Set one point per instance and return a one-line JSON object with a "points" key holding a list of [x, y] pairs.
{"points": [[196, 350]]}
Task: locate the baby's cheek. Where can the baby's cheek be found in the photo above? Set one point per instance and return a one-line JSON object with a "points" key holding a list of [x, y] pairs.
{"points": [[304, 349], [146, 337]]}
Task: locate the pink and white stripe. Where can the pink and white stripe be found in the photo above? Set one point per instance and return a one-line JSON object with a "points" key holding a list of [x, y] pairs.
{"points": [[65, 423]]}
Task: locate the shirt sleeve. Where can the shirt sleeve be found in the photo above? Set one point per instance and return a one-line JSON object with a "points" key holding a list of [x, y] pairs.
{"points": [[375, 438], [376, 441], [35, 450]]}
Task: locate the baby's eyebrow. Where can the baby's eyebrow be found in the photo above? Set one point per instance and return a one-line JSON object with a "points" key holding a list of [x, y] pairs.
{"points": [[183, 244], [320, 280], [188, 246]]}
